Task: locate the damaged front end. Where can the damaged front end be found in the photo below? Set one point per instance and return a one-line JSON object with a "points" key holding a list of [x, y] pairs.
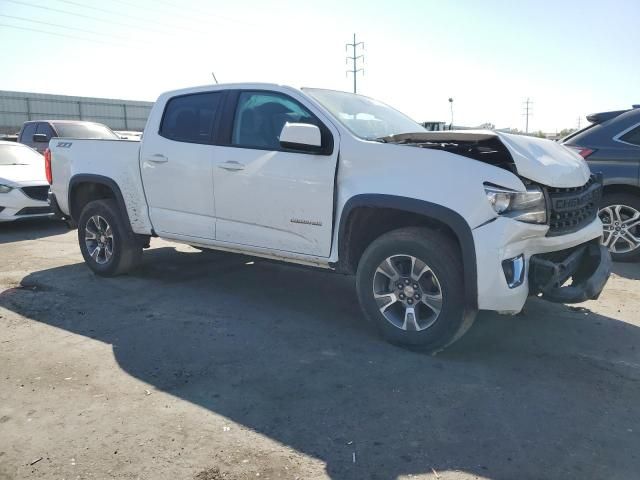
{"points": [[573, 275], [539, 160]]}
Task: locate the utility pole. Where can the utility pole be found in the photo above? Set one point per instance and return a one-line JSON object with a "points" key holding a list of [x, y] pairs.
{"points": [[527, 113], [354, 60], [451, 106]]}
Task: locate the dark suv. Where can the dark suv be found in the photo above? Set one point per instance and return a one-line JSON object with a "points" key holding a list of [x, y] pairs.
{"points": [[37, 133], [611, 146]]}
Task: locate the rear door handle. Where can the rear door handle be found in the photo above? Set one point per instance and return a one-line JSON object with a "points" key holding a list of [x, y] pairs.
{"points": [[158, 158], [231, 165]]}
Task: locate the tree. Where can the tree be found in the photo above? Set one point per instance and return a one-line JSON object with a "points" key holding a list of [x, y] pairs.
{"points": [[565, 131]]}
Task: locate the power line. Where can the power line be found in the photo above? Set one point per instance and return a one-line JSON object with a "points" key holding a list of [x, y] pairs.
{"points": [[124, 15], [354, 59], [527, 113], [75, 37], [66, 12], [57, 25]]}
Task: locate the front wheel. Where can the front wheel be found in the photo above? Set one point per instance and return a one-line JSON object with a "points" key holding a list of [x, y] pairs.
{"points": [[410, 283], [108, 245], [620, 215]]}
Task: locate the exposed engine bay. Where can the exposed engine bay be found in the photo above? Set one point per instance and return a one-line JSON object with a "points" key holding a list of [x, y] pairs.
{"points": [[485, 147]]}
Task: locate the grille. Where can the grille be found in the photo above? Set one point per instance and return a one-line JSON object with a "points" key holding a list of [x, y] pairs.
{"points": [[570, 209], [34, 211], [37, 193]]}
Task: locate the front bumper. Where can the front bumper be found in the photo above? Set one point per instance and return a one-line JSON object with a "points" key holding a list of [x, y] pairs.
{"points": [[15, 205], [588, 265], [504, 239]]}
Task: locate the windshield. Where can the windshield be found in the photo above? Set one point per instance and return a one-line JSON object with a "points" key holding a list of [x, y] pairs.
{"points": [[18, 154], [85, 130], [363, 116]]}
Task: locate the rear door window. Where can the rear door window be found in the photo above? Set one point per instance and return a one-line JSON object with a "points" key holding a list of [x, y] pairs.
{"points": [[27, 133], [190, 118], [46, 129]]}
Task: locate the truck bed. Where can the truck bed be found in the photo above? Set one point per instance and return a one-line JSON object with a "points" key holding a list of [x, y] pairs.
{"points": [[74, 161]]}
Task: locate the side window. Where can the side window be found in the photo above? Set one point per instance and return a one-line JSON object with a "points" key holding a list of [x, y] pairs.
{"points": [[46, 129], [632, 136], [190, 118], [260, 117], [27, 133]]}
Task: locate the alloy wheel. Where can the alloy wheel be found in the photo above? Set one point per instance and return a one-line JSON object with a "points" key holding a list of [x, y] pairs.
{"points": [[407, 292], [621, 228], [98, 238]]}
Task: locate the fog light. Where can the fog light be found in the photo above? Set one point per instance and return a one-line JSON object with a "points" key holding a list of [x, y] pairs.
{"points": [[514, 271]]}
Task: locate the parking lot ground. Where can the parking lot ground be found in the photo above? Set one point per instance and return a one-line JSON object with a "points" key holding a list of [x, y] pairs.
{"points": [[213, 366]]}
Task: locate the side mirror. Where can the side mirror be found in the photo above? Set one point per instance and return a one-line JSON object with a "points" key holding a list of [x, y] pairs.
{"points": [[301, 136], [40, 137]]}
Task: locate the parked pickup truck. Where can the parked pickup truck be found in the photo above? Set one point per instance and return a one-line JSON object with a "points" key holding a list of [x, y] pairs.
{"points": [[434, 225]]}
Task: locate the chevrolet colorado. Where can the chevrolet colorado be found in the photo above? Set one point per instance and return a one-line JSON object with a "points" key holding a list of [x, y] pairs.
{"points": [[434, 225]]}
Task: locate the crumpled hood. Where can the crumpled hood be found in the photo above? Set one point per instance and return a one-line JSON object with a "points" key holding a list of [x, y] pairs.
{"points": [[20, 175], [537, 159]]}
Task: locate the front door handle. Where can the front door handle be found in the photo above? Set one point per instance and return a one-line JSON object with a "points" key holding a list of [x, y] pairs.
{"points": [[158, 158], [231, 165]]}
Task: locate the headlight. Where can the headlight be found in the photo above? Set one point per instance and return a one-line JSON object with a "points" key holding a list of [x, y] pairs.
{"points": [[5, 188], [529, 206]]}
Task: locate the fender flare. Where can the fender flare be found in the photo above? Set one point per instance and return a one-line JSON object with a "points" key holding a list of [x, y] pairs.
{"points": [[101, 180], [444, 215]]}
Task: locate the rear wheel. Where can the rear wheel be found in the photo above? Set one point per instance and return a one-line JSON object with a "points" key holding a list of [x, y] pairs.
{"points": [[108, 245], [620, 215], [410, 284]]}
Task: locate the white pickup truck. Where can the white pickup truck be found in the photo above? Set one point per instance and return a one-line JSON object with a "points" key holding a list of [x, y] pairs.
{"points": [[434, 225]]}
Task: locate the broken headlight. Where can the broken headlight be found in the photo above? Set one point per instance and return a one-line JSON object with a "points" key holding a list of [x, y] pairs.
{"points": [[529, 206]]}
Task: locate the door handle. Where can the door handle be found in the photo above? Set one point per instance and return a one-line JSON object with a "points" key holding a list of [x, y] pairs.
{"points": [[158, 158], [231, 165]]}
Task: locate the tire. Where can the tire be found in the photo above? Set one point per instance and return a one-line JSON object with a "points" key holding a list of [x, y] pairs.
{"points": [[428, 329], [621, 208], [119, 239]]}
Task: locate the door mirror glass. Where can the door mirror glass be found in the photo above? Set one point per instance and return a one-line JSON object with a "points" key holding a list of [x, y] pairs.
{"points": [[40, 137], [301, 136]]}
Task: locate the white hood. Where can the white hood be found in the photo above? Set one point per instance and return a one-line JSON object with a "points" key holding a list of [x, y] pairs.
{"points": [[22, 175], [537, 159], [545, 161]]}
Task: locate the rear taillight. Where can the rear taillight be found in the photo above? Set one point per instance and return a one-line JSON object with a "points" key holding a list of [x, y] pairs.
{"points": [[582, 151], [47, 166]]}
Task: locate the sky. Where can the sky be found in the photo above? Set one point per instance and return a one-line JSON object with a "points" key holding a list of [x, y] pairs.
{"points": [[570, 58]]}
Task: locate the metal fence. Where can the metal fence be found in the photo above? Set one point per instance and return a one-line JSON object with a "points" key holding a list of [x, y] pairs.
{"points": [[19, 107]]}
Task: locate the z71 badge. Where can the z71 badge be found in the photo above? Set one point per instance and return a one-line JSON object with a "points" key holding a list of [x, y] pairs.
{"points": [[64, 144]]}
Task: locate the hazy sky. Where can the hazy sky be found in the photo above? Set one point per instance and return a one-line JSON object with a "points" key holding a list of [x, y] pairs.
{"points": [[571, 58]]}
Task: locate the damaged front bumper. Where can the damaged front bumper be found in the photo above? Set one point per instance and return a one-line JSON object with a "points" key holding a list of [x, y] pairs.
{"points": [[570, 276]]}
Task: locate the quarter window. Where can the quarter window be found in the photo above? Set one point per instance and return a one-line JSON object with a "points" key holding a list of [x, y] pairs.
{"points": [[260, 117], [189, 118], [632, 136]]}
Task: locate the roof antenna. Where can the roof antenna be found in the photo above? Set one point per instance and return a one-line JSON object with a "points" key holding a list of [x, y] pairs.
{"points": [[214, 77]]}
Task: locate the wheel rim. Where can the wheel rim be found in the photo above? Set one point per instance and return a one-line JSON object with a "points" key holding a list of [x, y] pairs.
{"points": [[407, 293], [621, 228], [98, 238]]}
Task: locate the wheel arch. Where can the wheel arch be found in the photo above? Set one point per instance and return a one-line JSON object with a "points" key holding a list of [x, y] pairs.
{"points": [[355, 231], [621, 188], [84, 188]]}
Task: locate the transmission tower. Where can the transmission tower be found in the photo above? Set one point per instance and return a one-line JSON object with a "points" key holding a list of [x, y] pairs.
{"points": [[527, 113], [354, 60]]}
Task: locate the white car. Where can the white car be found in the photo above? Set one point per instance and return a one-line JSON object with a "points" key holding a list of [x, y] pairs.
{"points": [[434, 225], [23, 184]]}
